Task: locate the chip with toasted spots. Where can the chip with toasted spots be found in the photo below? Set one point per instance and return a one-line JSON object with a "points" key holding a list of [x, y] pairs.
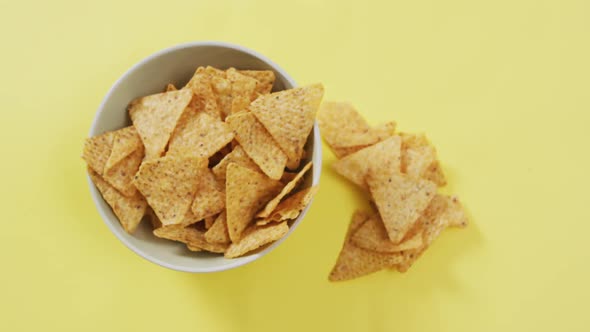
{"points": [[242, 90], [218, 232], [372, 235], [201, 85], [97, 150], [125, 142], [121, 175], [170, 87], [342, 126], [238, 156], [291, 207], [270, 206], [419, 159], [210, 196], [193, 237], [255, 237], [265, 79]]}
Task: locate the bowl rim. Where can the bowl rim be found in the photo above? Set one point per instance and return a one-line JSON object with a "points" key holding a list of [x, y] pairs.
{"points": [[96, 196]]}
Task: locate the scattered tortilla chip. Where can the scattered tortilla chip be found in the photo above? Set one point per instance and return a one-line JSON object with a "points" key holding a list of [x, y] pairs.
{"points": [[191, 236], [342, 126], [201, 86], [210, 197], [385, 154], [435, 174], [97, 150], [372, 235], [155, 118], [170, 87], [125, 142], [343, 152], [129, 210], [289, 116], [169, 184], [238, 156], [121, 175], [291, 207], [255, 237], [454, 215], [265, 78], [354, 262], [419, 159], [246, 192], [199, 135], [243, 90], [258, 144], [271, 206], [218, 232], [399, 199]]}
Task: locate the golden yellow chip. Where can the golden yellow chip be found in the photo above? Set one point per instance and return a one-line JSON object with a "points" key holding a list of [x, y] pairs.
{"points": [[125, 142], [170, 87], [121, 175], [372, 235], [342, 126], [343, 152], [354, 262], [258, 144], [246, 192], [199, 135], [291, 207], [218, 232], [288, 177], [255, 237], [385, 154], [210, 196], [399, 199], [209, 221], [191, 236], [97, 150], [152, 218], [271, 206], [238, 156], [243, 90], [289, 116], [419, 159], [454, 215], [435, 174], [155, 118], [265, 78], [201, 86], [129, 210], [169, 185]]}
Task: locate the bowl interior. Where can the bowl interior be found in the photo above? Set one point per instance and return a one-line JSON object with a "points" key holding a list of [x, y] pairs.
{"points": [[150, 76]]}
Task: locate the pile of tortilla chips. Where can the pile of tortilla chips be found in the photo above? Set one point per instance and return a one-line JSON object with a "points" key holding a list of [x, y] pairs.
{"points": [[401, 173], [216, 165]]}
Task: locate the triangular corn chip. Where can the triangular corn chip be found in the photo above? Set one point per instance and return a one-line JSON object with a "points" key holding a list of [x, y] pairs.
{"points": [[291, 207], [125, 142], [454, 215], [129, 210], [399, 199], [238, 156], [97, 150], [258, 144], [419, 159], [385, 154], [152, 218], [255, 237], [155, 118], [243, 90], [382, 132], [170, 87], [199, 135], [121, 175], [209, 197], [342, 126], [354, 262], [288, 116], [218, 232], [270, 206], [191, 236], [201, 86], [169, 185], [265, 78], [372, 235], [246, 192]]}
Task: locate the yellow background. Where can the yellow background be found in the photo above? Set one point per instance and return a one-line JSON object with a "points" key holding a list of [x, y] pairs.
{"points": [[501, 87]]}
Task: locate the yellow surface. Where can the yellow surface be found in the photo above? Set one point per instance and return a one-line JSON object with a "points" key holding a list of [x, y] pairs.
{"points": [[501, 87]]}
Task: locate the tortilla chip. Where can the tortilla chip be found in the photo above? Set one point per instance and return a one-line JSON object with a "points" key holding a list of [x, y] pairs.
{"points": [[246, 192], [121, 175], [255, 237], [258, 144], [129, 210], [199, 135], [243, 90], [288, 116], [191, 236], [288, 177], [342, 126], [210, 197], [155, 118], [435, 174], [419, 159], [201, 85], [399, 199], [290, 208], [209, 221], [354, 262], [125, 142], [152, 218], [265, 78], [343, 152], [170, 87], [238, 156], [221, 89], [97, 150], [169, 184], [271, 206], [218, 232], [454, 215], [385, 154], [372, 235]]}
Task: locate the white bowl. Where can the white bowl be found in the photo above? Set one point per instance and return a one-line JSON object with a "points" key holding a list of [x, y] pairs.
{"points": [[177, 64]]}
